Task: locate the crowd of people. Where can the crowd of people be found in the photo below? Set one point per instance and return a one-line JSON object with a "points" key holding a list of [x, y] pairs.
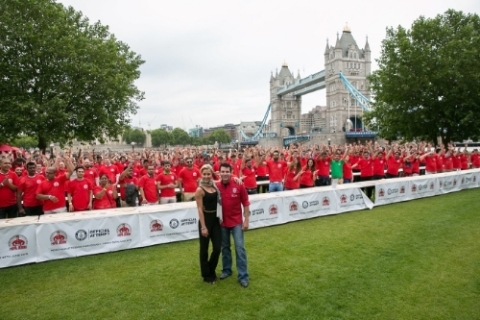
{"points": [[32, 183]]}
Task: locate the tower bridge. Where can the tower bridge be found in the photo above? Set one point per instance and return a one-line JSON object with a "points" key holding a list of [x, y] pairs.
{"points": [[347, 98]]}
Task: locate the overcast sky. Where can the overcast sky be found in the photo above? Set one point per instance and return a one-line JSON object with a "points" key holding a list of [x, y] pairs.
{"points": [[208, 63]]}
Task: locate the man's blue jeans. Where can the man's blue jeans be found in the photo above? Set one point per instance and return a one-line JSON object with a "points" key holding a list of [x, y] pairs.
{"points": [[240, 252], [275, 186]]}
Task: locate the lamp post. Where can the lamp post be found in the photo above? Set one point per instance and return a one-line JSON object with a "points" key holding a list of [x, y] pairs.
{"points": [[51, 149], [329, 141], [133, 146], [237, 145]]}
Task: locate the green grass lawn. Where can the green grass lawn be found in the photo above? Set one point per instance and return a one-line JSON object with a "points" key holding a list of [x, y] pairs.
{"points": [[414, 260]]}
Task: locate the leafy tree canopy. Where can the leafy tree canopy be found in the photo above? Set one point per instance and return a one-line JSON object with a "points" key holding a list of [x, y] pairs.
{"points": [[220, 136], [180, 137], [63, 78], [427, 84], [161, 137], [134, 135]]}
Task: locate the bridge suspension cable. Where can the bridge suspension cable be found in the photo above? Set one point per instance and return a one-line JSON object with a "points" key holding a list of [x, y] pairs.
{"points": [[363, 101], [259, 130]]}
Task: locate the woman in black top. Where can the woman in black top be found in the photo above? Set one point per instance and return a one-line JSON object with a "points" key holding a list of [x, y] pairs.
{"points": [[209, 224]]}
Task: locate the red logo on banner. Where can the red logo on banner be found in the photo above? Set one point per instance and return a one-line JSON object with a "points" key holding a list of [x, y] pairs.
{"points": [[156, 226], [463, 180], [454, 182], [273, 209], [381, 193], [414, 188], [293, 206], [124, 230], [441, 184], [343, 198], [58, 237], [325, 201], [431, 186], [402, 189], [18, 242]]}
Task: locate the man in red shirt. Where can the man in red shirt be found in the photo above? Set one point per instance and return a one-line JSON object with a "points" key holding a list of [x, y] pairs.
{"points": [[248, 176], [52, 190], [430, 159], [80, 192], [475, 159], [91, 173], [322, 163], [166, 183], [187, 180], [125, 179], [27, 192], [148, 187], [394, 163], [276, 170], [234, 196], [110, 170], [8, 190]]}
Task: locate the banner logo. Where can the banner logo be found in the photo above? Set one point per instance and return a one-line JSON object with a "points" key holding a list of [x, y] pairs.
{"points": [[414, 188], [293, 206], [381, 193], [18, 242], [305, 204], [273, 209], [188, 221], [124, 230], [174, 223], [325, 201], [58, 237], [156, 226], [343, 198], [402, 189], [81, 235], [432, 186]]}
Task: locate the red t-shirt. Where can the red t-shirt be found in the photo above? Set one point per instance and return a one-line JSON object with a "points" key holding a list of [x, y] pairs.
{"points": [[276, 170], [233, 197], [323, 166], [149, 186], [124, 182], [379, 165], [111, 172], [447, 163], [80, 190], [107, 201], [393, 165], [431, 163], [475, 158], [366, 167], [464, 162], [55, 187], [28, 185], [289, 182], [262, 169], [306, 179], [347, 170], [189, 179], [91, 174], [250, 180], [457, 162], [166, 179], [8, 197]]}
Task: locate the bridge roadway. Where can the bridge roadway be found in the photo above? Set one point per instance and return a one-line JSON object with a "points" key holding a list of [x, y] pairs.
{"points": [[306, 85]]}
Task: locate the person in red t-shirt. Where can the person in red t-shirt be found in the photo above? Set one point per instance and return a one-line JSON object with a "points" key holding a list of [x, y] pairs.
{"points": [[148, 187], [394, 163], [105, 194], [166, 183], [322, 163], [110, 170], [262, 173], [91, 173], [292, 174], [347, 171], [430, 159], [276, 169], [188, 180], [8, 190], [52, 190], [366, 171], [80, 192], [27, 192], [475, 159], [308, 175], [125, 179], [248, 175], [379, 164]]}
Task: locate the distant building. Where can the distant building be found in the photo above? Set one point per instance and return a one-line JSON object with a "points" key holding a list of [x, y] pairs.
{"points": [[314, 121], [196, 132], [230, 129], [166, 127]]}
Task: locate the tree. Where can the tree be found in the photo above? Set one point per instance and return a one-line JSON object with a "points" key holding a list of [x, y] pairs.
{"points": [[427, 82], [25, 142], [161, 137], [134, 135], [220, 136], [62, 77], [180, 137]]}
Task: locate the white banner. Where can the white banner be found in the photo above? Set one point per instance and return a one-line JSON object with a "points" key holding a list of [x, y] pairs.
{"points": [[178, 223], [309, 203], [468, 180], [423, 186], [448, 182], [72, 238], [17, 241], [391, 191], [265, 211], [351, 198]]}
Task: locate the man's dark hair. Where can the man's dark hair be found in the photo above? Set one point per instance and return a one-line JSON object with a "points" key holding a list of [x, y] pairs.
{"points": [[145, 161], [226, 165], [31, 164], [80, 167]]}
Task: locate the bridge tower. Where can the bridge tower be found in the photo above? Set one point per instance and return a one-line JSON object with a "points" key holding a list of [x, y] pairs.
{"points": [[285, 110], [343, 112]]}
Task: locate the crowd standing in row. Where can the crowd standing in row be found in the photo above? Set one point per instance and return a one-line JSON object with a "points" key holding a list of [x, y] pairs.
{"points": [[33, 183]]}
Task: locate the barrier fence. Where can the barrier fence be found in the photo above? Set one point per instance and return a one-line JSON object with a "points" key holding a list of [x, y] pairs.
{"points": [[57, 236]]}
